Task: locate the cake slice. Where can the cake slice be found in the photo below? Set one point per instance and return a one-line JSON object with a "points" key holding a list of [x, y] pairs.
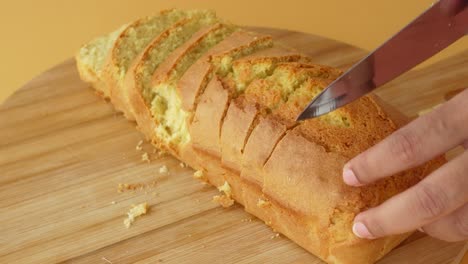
{"points": [[166, 111], [132, 41], [137, 87]]}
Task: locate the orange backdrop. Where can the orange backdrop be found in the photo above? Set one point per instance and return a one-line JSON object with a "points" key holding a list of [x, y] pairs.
{"points": [[38, 34]]}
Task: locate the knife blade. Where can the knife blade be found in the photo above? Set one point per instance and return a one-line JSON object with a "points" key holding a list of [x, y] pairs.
{"points": [[425, 36]]}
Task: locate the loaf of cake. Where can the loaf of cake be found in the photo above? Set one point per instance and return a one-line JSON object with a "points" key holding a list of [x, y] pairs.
{"points": [[224, 101]]}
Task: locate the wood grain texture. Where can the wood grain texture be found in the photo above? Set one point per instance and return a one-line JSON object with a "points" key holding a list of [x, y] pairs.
{"points": [[63, 152]]}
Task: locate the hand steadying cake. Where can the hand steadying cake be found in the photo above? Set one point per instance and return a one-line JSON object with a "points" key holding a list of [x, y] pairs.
{"points": [[438, 205]]}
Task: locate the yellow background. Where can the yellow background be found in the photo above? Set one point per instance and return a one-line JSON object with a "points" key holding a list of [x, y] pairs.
{"points": [[37, 34]]}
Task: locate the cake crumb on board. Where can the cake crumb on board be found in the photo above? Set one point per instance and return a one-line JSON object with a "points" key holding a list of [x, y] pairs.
{"points": [[275, 236], [163, 170], [134, 212], [106, 260], [139, 145], [145, 157], [225, 199], [200, 175], [145, 187], [159, 152]]}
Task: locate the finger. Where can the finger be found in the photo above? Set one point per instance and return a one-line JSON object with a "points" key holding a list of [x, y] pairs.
{"points": [[453, 227], [465, 145], [419, 141], [435, 196]]}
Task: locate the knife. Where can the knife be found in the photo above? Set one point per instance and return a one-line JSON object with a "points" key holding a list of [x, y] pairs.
{"points": [[428, 34]]}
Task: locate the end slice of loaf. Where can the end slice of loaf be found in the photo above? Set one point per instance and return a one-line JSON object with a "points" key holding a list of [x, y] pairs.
{"points": [[91, 58], [224, 101]]}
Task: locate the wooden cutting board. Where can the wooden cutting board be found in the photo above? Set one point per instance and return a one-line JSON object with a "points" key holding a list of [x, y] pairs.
{"points": [[63, 152]]}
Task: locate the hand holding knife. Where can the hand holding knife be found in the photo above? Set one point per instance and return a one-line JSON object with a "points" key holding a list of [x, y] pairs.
{"points": [[441, 25]]}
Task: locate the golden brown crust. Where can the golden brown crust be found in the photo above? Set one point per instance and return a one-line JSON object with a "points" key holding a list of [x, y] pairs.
{"points": [[89, 76], [132, 83], [235, 131], [209, 164], [192, 82], [258, 148], [242, 115], [279, 217], [362, 125], [195, 78], [277, 53], [206, 125], [139, 107], [385, 109], [293, 168], [110, 68], [273, 56], [364, 251], [162, 72], [237, 41]]}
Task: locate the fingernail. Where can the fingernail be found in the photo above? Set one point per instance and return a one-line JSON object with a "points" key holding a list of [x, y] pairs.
{"points": [[421, 230], [350, 178], [361, 231]]}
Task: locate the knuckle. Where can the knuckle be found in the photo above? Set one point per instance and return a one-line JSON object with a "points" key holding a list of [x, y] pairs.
{"points": [[375, 226], [405, 147], [439, 124], [431, 201], [461, 224]]}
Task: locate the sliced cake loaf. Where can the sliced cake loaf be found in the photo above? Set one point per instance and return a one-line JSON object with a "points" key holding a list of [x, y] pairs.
{"points": [[224, 101]]}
